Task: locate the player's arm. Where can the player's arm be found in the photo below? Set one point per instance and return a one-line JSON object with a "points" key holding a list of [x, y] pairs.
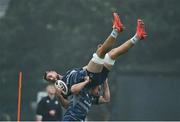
{"points": [[106, 93], [64, 102], [76, 88]]}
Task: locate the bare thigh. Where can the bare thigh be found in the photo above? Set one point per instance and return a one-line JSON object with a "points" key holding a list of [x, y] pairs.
{"points": [[94, 67], [108, 66]]}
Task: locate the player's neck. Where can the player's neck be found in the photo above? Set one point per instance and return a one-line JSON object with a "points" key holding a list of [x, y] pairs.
{"points": [[51, 96]]}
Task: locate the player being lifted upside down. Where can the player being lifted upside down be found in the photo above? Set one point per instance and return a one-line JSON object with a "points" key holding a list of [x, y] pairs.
{"points": [[96, 71]]}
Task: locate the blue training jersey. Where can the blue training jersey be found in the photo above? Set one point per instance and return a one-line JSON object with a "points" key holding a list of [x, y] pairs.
{"points": [[80, 105], [74, 76], [77, 75]]}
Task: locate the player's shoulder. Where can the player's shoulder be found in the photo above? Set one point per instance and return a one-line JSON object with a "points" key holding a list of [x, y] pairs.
{"points": [[77, 69], [73, 70], [45, 98]]}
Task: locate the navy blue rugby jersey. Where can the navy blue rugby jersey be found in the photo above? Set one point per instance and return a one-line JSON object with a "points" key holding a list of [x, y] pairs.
{"points": [[80, 105], [74, 76]]}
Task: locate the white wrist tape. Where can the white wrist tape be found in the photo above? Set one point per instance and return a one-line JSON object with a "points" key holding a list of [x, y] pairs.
{"points": [[96, 59], [108, 59]]}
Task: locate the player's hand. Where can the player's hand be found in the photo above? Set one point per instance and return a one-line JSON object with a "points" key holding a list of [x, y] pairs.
{"points": [[86, 78], [58, 91]]}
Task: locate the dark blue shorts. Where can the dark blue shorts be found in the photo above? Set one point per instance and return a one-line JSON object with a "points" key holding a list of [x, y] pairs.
{"points": [[97, 78]]}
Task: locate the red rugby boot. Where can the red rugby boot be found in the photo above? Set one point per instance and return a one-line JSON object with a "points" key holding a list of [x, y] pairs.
{"points": [[140, 30], [117, 24]]}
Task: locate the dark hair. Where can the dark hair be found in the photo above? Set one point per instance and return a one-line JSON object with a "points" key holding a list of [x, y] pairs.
{"points": [[45, 75]]}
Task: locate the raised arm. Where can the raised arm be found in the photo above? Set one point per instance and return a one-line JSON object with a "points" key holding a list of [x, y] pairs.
{"points": [[106, 93], [76, 88], [64, 102]]}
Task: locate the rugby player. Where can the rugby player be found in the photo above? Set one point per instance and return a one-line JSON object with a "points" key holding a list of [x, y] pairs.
{"points": [[79, 104]]}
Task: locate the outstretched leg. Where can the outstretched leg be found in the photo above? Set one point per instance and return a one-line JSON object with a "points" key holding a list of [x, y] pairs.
{"points": [[116, 52], [96, 63], [117, 28]]}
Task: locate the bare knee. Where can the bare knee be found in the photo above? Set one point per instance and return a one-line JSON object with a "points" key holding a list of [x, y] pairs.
{"points": [[112, 54]]}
